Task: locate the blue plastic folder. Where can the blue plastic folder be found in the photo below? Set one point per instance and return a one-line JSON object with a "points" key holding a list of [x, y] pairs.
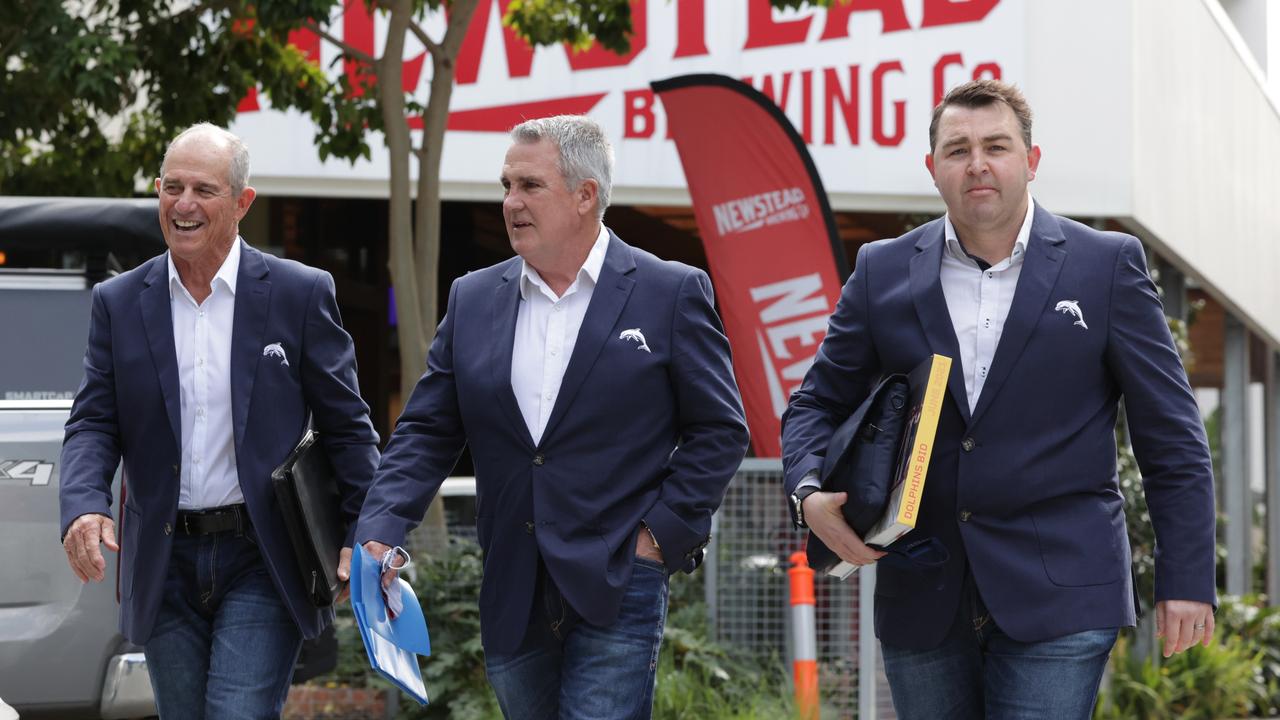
{"points": [[393, 645]]}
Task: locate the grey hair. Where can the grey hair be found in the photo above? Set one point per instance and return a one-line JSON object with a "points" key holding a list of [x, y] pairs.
{"points": [[237, 172], [585, 152]]}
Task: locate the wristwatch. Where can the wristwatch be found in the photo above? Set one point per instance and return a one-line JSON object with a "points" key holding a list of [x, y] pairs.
{"points": [[797, 503]]}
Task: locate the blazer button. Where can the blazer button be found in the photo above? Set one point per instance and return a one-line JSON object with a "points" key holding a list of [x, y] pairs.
{"points": [[968, 444], [965, 515], [528, 527], [175, 469], [539, 459], [168, 529]]}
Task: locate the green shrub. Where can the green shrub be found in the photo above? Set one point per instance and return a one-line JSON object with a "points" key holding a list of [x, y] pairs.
{"points": [[696, 678], [448, 586], [1259, 626], [1200, 684]]}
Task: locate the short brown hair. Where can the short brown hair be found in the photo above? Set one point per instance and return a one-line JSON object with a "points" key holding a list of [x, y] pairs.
{"points": [[981, 93]]}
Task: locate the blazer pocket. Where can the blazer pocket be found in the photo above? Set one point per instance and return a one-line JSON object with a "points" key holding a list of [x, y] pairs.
{"points": [[1080, 543], [129, 544]]}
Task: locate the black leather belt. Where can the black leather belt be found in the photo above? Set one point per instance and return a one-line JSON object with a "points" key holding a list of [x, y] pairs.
{"points": [[228, 518]]}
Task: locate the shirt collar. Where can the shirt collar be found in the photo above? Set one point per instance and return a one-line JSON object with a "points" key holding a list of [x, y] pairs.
{"points": [[227, 272], [1019, 243], [588, 273]]}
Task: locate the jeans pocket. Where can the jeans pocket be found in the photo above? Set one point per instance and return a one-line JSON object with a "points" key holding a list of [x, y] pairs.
{"points": [[650, 564]]}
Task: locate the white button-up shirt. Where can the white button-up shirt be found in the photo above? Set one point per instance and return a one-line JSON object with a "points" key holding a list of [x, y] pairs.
{"points": [[546, 333], [202, 339], [979, 301]]}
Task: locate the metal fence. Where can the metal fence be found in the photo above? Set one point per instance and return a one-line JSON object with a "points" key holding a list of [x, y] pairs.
{"points": [[748, 598]]}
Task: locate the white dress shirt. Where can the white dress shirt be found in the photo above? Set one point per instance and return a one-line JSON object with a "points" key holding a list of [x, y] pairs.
{"points": [[546, 333], [202, 339], [979, 301]]}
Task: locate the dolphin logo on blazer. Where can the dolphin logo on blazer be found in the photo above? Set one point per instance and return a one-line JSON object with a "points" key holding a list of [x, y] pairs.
{"points": [[1071, 307], [274, 350], [636, 335]]}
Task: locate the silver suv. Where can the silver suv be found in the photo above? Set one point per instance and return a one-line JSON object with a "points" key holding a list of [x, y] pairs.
{"points": [[61, 654], [60, 650]]}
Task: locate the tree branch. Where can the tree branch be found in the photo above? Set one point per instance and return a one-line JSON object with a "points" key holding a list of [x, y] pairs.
{"points": [[456, 29], [432, 46], [349, 50]]}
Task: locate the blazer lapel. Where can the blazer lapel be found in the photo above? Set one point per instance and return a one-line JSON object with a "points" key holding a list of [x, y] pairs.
{"points": [[249, 323], [607, 300], [506, 304], [1039, 274], [157, 322], [931, 308]]}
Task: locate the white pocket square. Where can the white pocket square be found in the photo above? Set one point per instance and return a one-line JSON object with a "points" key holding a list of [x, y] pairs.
{"points": [[1072, 308], [274, 350], [637, 336]]}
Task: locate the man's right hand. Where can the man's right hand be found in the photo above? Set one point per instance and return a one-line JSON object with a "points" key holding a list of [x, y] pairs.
{"points": [[82, 542], [823, 516], [376, 550]]}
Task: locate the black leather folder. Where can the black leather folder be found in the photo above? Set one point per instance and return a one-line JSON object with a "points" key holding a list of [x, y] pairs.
{"points": [[870, 456], [862, 460], [307, 490]]}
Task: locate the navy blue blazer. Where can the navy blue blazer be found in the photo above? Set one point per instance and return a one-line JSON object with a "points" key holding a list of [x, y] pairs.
{"points": [[634, 435], [1025, 489], [128, 407]]}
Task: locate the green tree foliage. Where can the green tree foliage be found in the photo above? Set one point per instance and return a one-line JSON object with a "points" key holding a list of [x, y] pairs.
{"points": [[92, 91]]}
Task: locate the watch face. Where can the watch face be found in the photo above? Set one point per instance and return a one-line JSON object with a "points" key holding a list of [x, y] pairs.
{"points": [[797, 502]]}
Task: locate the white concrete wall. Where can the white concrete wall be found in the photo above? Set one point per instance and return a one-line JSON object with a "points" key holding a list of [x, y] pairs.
{"points": [[1206, 156], [1079, 83]]}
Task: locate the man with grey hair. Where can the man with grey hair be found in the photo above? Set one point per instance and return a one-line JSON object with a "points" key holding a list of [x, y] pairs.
{"points": [[203, 365], [593, 383]]}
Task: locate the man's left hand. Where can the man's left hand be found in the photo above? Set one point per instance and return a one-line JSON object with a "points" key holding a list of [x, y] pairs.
{"points": [[344, 574], [1183, 623]]}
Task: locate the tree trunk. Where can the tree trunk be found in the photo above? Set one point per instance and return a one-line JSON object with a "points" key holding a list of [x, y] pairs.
{"points": [[426, 251], [434, 123], [404, 280]]}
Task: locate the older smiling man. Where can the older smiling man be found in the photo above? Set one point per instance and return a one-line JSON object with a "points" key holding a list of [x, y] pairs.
{"points": [[202, 366]]}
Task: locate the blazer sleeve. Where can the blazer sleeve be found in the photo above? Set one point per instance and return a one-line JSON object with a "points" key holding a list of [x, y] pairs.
{"points": [[712, 428], [91, 446], [332, 393], [1167, 433], [428, 439], [843, 371]]}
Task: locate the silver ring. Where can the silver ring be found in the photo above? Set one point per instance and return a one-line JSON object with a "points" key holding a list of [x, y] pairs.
{"points": [[1198, 626]]}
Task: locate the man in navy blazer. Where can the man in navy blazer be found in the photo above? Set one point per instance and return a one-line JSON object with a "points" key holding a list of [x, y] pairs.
{"points": [[1050, 323], [202, 366], [592, 382]]}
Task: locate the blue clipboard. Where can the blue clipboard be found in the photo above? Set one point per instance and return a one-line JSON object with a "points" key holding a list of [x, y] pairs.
{"points": [[393, 646]]}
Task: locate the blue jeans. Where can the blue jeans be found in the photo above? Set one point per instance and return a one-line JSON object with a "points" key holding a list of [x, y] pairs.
{"points": [[224, 644], [569, 669], [980, 672]]}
